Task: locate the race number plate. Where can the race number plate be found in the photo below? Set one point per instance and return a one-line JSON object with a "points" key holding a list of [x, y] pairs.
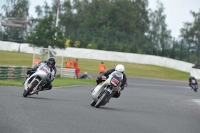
{"points": [[115, 81], [45, 70]]}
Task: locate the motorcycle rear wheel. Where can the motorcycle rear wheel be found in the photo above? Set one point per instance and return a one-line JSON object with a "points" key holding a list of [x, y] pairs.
{"points": [[26, 93], [102, 99]]}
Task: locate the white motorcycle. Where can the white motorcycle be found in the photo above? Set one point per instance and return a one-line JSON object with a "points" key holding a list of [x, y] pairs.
{"points": [[103, 92], [34, 83]]}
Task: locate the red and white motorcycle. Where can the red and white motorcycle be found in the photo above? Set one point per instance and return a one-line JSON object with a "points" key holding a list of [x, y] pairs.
{"points": [[103, 92]]}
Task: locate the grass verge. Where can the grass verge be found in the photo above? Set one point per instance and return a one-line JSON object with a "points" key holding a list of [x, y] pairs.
{"points": [[91, 66], [57, 82]]}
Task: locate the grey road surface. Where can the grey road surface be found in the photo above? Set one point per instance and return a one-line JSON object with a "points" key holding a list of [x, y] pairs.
{"points": [[145, 106]]}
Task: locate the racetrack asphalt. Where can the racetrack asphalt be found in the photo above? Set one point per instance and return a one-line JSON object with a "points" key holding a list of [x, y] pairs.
{"points": [[145, 106]]}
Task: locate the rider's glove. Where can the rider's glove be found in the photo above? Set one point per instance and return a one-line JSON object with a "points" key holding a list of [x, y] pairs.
{"points": [[122, 88], [103, 77]]}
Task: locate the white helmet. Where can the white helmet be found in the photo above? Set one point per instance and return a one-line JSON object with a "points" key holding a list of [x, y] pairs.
{"points": [[120, 68]]}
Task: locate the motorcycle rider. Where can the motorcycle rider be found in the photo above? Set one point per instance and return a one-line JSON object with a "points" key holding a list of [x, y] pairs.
{"points": [[51, 63], [119, 68], [192, 81]]}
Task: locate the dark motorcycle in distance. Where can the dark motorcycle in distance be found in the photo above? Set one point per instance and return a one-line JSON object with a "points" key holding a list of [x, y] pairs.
{"points": [[194, 87]]}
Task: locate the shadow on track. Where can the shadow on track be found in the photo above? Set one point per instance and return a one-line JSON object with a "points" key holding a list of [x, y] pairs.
{"points": [[43, 98], [116, 109], [108, 108]]}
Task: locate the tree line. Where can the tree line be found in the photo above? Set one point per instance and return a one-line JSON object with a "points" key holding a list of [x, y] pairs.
{"points": [[112, 25]]}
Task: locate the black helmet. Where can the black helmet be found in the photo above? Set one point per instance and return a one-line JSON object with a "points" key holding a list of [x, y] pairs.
{"points": [[51, 61]]}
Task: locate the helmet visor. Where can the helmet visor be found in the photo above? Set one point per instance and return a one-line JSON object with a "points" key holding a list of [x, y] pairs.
{"points": [[50, 64]]}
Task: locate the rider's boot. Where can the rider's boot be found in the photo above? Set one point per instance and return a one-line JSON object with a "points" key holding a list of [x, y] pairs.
{"points": [[38, 91], [41, 89]]}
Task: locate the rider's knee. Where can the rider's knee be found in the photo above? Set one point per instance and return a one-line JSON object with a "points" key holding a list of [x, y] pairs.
{"points": [[116, 95], [50, 87]]}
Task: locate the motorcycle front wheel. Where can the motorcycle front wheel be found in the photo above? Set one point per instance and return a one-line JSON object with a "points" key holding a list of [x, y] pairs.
{"points": [[93, 103], [33, 85], [195, 88], [102, 99]]}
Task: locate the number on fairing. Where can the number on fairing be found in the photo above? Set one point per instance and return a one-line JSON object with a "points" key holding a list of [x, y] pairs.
{"points": [[114, 81], [193, 81], [45, 70]]}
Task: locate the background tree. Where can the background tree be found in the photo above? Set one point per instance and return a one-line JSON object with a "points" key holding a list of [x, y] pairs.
{"points": [[191, 33], [17, 12], [158, 34], [39, 11], [115, 25], [44, 34], [107, 25]]}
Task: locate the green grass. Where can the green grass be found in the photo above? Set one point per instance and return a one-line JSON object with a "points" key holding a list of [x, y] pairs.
{"points": [[11, 82], [91, 66], [70, 81], [15, 58], [57, 82]]}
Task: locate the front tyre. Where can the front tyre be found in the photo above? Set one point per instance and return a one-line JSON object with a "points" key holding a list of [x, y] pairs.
{"points": [[93, 103], [195, 88], [30, 88], [102, 99]]}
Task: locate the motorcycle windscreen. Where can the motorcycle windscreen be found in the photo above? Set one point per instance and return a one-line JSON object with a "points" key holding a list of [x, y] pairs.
{"points": [[45, 69], [116, 79], [114, 82]]}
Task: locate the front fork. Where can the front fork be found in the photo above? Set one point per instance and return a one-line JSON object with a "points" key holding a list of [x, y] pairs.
{"points": [[112, 92], [35, 89]]}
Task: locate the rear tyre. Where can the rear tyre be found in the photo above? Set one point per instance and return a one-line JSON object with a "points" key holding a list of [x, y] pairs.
{"points": [[102, 99], [29, 89]]}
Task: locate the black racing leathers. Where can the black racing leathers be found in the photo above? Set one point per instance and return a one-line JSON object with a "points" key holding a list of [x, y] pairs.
{"points": [[192, 80], [106, 74]]}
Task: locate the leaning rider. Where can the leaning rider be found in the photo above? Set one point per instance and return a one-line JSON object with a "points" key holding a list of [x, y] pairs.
{"points": [[51, 63], [119, 68], [192, 81]]}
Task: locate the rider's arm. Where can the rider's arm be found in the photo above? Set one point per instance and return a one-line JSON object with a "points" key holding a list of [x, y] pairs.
{"points": [[196, 82], [36, 66], [190, 81], [107, 73], [124, 81], [55, 69], [53, 75]]}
